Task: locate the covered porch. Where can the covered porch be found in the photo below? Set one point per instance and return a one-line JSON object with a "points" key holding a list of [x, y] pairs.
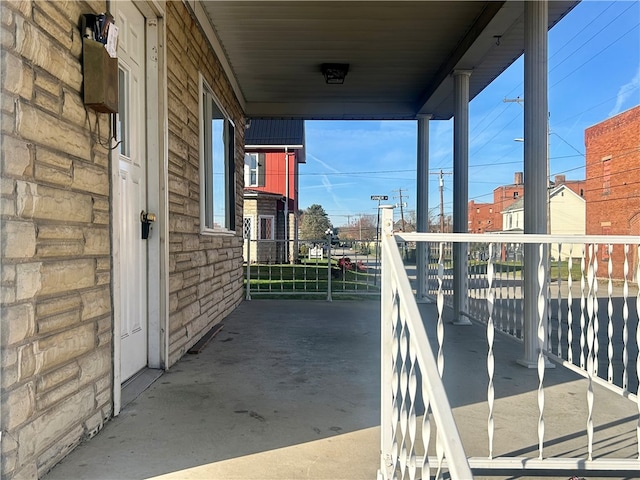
{"points": [[291, 389]]}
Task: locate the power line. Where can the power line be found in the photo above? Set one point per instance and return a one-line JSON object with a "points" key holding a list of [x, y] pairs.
{"points": [[592, 36], [596, 54]]}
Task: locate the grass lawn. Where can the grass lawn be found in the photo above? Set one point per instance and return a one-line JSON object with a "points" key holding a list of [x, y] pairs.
{"points": [[308, 278]]}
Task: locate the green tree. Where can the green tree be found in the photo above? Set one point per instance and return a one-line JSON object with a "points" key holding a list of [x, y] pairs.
{"points": [[315, 223]]}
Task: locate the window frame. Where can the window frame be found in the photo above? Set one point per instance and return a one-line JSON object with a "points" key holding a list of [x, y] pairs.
{"points": [[208, 163], [606, 175], [273, 226], [247, 182], [250, 233]]}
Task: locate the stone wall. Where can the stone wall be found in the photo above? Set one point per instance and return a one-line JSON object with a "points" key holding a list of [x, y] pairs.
{"points": [[56, 285], [205, 271], [55, 245]]}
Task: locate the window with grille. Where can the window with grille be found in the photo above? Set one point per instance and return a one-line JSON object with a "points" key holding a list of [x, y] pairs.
{"points": [[247, 228], [266, 227]]}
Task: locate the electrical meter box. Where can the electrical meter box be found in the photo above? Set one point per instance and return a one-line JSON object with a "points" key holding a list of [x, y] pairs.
{"points": [[100, 72]]}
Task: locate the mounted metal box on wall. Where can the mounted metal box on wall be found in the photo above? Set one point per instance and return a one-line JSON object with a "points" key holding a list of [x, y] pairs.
{"points": [[100, 72]]}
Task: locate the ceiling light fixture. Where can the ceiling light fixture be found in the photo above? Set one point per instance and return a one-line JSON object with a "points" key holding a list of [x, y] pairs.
{"points": [[334, 73]]}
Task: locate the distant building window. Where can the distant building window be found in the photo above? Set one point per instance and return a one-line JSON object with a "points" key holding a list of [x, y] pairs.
{"points": [[266, 227], [606, 176], [477, 210], [247, 228], [515, 194], [491, 210], [251, 170]]}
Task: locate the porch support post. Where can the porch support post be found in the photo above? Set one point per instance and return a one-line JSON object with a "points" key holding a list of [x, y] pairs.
{"points": [[460, 193], [535, 166], [422, 207]]}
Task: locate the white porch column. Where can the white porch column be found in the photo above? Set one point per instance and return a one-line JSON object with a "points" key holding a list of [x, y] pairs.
{"points": [[460, 193], [422, 207], [535, 165]]}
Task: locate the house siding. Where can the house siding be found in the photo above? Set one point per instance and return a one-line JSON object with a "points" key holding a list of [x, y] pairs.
{"points": [[276, 175], [205, 271], [56, 285]]}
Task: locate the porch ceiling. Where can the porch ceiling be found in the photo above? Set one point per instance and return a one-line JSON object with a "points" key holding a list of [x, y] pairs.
{"points": [[401, 54]]}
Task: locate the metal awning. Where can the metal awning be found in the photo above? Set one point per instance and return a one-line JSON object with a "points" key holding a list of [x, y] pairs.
{"points": [[401, 54]]}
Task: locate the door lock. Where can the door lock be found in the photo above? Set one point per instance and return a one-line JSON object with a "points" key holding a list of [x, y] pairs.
{"points": [[145, 220]]}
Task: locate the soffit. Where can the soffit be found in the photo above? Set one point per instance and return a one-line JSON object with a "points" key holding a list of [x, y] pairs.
{"points": [[401, 54]]}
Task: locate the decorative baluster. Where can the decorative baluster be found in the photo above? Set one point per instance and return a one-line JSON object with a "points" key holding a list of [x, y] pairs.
{"points": [[549, 344], [610, 316], [413, 383], [440, 306], [395, 381], [596, 319], [625, 320], [542, 286], [511, 303], [490, 357], [404, 383], [590, 357], [440, 456], [569, 304], [426, 430], [559, 310], [498, 296], [582, 307], [521, 316]]}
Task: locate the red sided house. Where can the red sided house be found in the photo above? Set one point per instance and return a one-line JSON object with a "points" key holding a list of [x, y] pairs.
{"points": [[612, 190], [273, 151]]}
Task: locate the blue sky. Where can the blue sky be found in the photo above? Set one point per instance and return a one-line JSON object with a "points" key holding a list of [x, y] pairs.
{"points": [[594, 73]]}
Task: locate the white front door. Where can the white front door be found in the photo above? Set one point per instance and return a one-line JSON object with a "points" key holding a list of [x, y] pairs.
{"points": [[131, 190]]}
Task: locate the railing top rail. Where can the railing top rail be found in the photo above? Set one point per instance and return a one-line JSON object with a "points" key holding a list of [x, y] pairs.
{"points": [[442, 413], [516, 238]]}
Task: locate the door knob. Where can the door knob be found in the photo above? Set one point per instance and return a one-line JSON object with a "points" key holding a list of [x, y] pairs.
{"points": [[145, 221]]}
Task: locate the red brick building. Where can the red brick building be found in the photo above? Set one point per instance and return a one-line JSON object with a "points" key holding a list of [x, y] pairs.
{"points": [[483, 217], [612, 188], [487, 217]]}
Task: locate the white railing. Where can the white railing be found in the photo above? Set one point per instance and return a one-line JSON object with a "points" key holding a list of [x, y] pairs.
{"points": [[588, 278], [586, 308], [411, 389], [284, 267]]}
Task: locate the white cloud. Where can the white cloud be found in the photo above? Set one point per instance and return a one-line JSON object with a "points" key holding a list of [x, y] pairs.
{"points": [[625, 92]]}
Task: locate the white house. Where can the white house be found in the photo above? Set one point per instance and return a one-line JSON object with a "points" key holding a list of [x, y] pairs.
{"points": [[567, 213]]}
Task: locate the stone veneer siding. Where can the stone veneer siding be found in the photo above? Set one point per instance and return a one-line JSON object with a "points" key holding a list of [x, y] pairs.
{"points": [[205, 271], [56, 313]]}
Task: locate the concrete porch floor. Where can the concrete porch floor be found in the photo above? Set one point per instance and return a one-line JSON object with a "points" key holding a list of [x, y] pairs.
{"points": [[289, 389]]}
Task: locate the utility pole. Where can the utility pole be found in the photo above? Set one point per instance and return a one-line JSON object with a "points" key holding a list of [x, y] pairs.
{"points": [[441, 175], [520, 101], [401, 207]]}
